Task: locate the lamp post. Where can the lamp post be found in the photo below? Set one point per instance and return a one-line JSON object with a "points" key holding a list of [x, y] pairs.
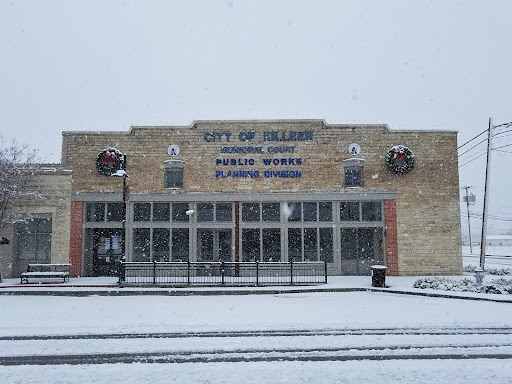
{"points": [[122, 173]]}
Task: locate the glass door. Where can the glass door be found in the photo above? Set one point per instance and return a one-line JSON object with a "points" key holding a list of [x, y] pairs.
{"points": [[360, 249], [107, 251]]}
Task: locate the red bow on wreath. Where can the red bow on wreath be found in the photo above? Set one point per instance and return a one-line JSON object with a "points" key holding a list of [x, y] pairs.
{"points": [[399, 154], [109, 158]]}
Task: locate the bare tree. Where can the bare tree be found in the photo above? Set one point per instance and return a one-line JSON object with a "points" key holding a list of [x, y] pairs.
{"points": [[18, 164]]}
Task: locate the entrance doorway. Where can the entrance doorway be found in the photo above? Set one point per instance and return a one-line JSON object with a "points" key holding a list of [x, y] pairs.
{"points": [[214, 245], [360, 249], [106, 251]]}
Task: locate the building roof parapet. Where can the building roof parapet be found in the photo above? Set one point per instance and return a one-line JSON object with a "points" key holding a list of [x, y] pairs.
{"points": [[322, 123]]}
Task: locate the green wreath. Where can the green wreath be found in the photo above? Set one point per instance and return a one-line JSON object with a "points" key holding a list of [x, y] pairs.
{"points": [[109, 161], [400, 159]]}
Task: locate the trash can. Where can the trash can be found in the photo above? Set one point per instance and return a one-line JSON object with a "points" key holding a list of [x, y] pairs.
{"points": [[379, 276], [479, 275]]}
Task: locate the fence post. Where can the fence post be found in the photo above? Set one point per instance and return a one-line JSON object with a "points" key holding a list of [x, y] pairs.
{"points": [[325, 269], [122, 276], [188, 272], [257, 272], [222, 272], [291, 272], [154, 271]]}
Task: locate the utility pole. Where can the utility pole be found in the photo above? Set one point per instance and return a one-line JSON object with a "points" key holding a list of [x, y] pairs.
{"points": [[469, 222], [486, 196]]}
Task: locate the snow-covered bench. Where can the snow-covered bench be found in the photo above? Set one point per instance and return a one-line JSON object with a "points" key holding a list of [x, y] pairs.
{"points": [[46, 271]]}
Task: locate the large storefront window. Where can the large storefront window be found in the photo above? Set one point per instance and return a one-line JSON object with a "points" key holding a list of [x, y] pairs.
{"points": [[310, 244], [141, 244], [214, 212], [161, 244], [267, 231], [33, 240], [100, 212], [160, 212], [360, 211], [272, 244]]}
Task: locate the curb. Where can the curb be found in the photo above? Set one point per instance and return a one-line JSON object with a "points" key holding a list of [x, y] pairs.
{"points": [[185, 292]]}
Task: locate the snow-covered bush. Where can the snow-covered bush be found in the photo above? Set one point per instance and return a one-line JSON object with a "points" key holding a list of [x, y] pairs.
{"points": [[489, 271], [498, 286]]}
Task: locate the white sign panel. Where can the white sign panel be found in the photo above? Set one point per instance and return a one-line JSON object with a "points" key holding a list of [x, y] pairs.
{"points": [[354, 149], [173, 150]]}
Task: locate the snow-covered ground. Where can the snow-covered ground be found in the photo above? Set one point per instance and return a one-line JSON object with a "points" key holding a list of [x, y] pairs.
{"points": [[307, 337], [285, 338]]}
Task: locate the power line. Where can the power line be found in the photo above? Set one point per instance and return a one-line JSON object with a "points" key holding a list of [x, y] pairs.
{"points": [[505, 125], [480, 134], [483, 141], [503, 146], [472, 159]]}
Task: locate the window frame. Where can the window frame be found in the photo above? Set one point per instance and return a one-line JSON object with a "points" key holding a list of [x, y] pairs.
{"points": [[177, 166], [39, 238], [353, 173]]}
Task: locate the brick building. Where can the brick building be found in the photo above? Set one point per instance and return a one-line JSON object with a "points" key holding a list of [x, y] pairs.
{"points": [[350, 195]]}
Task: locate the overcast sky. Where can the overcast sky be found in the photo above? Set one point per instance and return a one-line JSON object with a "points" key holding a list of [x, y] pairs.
{"points": [[108, 65]]}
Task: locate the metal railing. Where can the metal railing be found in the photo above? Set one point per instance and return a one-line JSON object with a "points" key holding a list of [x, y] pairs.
{"points": [[222, 273]]}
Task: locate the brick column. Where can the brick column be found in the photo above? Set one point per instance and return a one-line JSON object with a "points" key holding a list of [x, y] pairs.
{"points": [[391, 237], [75, 248]]}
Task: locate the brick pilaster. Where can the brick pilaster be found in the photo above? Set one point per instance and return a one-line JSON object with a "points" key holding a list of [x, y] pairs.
{"points": [[75, 252], [391, 237]]}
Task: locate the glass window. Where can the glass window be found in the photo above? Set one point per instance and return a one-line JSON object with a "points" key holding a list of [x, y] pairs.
{"points": [[271, 244], [310, 244], [325, 211], [294, 244], [206, 246], [294, 211], [224, 212], [349, 211], [95, 212], [371, 211], [141, 212], [326, 245], [180, 244], [366, 243], [141, 244], [161, 244], [250, 244], [204, 212], [271, 212], [348, 243], [43, 248], [161, 212], [33, 240], [174, 178], [353, 177], [115, 211], [309, 211], [26, 246], [250, 212], [179, 212], [225, 245], [43, 225]]}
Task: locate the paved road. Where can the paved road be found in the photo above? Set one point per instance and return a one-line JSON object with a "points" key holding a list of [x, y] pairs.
{"points": [[296, 345]]}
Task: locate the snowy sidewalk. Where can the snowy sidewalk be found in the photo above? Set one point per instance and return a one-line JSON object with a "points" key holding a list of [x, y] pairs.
{"points": [[107, 286]]}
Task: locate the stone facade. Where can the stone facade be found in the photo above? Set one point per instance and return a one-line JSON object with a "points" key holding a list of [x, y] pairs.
{"points": [[53, 183], [423, 227]]}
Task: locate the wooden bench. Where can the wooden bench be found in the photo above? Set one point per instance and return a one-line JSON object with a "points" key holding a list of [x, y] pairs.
{"points": [[46, 271]]}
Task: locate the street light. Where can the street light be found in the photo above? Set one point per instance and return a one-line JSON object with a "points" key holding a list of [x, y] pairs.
{"points": [[122, 173]]}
